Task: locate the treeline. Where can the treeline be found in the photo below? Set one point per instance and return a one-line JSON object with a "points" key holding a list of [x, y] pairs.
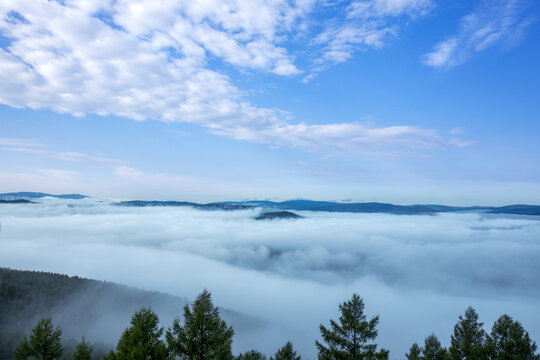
{"points": [[203, 335], [507, 340]]}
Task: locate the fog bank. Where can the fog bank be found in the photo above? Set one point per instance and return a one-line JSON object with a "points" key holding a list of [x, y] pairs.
{"points": [[418, 272]]}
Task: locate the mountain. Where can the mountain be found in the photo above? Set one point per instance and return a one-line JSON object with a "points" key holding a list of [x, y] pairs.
{"points": [[142, 203], [210, 206], [446, 208], [330, 206], [16, 201], [519, 209], [225, 206], [278, 215], [298, 205], [37, 195], [377, 207], [303, 204]]}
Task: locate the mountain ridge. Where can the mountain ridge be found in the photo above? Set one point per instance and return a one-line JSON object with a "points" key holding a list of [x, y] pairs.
{"points": [[297, 205], [38, 195]]}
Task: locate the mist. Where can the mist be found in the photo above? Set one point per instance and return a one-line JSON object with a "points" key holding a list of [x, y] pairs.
{"points": [[417, 272]]}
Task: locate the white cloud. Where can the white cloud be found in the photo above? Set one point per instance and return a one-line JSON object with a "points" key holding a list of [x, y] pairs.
{"points": [[18, 142], [31, 147], [366, 24], [67, 156], [492, 23], [141, 61], [349, 137], [343, 40], [372, 8], [242, 33], [444, 52], [294, 272]]}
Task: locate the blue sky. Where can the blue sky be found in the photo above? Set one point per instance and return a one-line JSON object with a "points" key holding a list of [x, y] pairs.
{"points": [[404, 101]]}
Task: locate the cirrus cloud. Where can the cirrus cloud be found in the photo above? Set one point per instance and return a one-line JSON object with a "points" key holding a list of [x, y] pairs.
{"points": [[490, 24]]}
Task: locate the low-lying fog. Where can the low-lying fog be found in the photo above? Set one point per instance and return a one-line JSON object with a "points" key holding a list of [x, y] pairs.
{"points": [[417, 272]]}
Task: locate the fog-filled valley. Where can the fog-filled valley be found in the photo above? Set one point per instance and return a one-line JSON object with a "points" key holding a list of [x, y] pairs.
{"points": [[418, 272]]}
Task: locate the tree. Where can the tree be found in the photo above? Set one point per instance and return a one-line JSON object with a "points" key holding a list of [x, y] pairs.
{"points": [[432, 349], [142, 340], [110, 356], [287, 352], [509, 341], [44, 343], [83, 352], [414, 353], [251, 355], [352, 338], [468, 340], [204, 335]]}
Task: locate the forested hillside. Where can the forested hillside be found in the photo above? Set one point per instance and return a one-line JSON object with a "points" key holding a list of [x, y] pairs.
{"points": [[81, 307]]}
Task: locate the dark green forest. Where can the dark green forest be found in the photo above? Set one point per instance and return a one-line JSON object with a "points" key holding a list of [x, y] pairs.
{"points": [[28, 296], [200, 333], [95, 309]]}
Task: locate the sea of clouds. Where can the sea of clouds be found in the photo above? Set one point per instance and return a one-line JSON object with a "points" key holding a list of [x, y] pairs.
{"points": [[418, 272]]}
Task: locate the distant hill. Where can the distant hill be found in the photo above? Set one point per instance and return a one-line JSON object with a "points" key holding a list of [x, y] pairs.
{"points": [[302, 204], [371, 207], [377, 207], [16, 201], [142, 203], [210, 206], [98, 310], [298, 205], [330, 206], [278, 215], [37, 195], [519, 209]]}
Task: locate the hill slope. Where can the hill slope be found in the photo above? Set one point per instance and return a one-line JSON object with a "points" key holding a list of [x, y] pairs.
{"points": [[97, 310]]}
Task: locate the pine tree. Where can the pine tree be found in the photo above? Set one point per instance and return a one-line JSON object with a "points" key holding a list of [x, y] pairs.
{"points": [[44, 343], [110, 356], [468, 340], [414, 353], [287, 352], [352, 338], [142, 340], [83, 352], [509, 341], [251, 355], [204, 335], [432, 349]]}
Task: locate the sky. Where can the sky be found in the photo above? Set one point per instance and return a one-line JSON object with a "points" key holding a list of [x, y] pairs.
{"points": [[403, 101], [417, 272]]}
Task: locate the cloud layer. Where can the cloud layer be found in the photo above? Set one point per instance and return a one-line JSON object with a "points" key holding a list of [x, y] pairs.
{"points": [[294, 273], [136, 60]]}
